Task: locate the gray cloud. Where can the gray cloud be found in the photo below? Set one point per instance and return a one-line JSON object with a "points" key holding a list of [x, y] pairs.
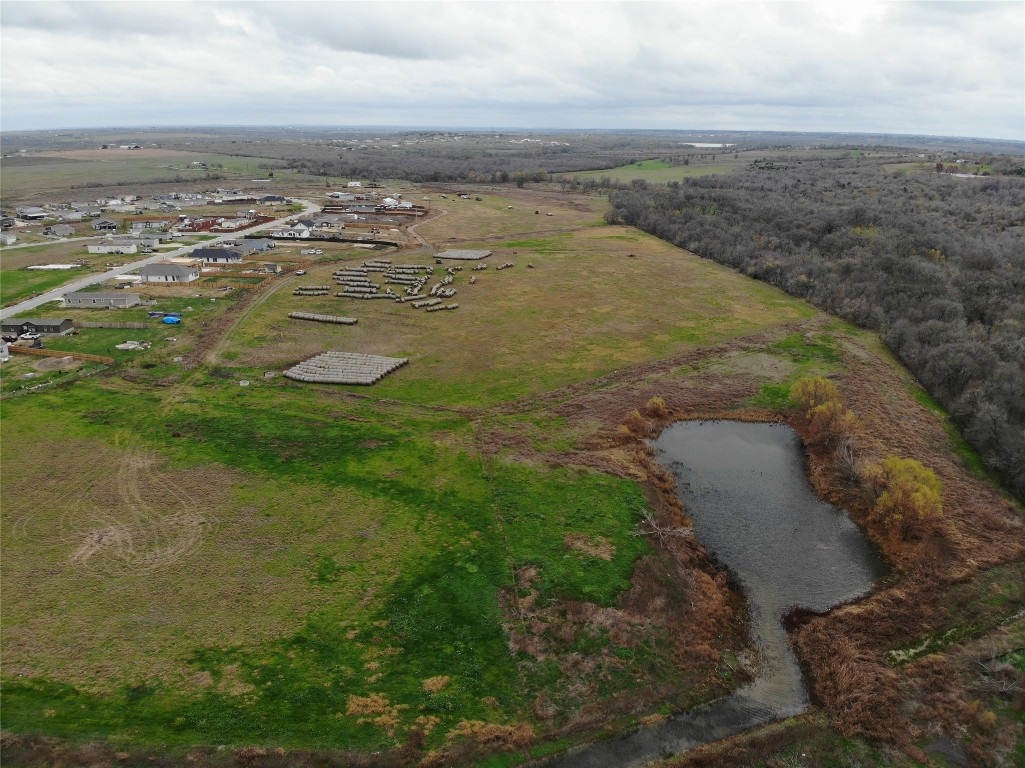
{"points": [[939, 68]]}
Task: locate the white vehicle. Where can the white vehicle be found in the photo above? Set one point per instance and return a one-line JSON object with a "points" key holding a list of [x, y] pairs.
{"points": [[30, 336], [300, 271]]}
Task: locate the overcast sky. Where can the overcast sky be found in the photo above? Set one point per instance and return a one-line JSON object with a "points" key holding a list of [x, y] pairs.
{"points": [[942, 68]]}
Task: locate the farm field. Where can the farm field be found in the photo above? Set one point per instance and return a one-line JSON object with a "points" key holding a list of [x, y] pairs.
{"points": [[446, 566], [660, 172], [85, 171]]}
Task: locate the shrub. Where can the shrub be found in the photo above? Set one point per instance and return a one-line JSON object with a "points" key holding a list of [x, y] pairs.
{"points": [[910, 501], [656, 408]]}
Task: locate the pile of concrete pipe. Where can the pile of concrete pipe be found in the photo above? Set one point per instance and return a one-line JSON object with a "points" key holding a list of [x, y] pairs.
{"points": [[345, 368], [426, 303], [323, 318], [440, 308]]}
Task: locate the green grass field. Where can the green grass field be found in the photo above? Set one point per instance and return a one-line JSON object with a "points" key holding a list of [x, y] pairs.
{"points": [[19, 284]]}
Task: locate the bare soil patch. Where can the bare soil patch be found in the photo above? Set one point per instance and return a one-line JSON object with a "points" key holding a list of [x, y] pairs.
{"points": [[58, 364]]}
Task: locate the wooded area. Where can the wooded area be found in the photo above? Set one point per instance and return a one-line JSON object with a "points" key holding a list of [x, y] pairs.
{"points": [[934, 263]]}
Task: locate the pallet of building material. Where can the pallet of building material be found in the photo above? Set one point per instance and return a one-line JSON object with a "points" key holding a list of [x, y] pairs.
{"points": [[323, 318], [314, 288], [440, 308], [351, 295], [310, 293], [345, 368], [413, 267], [427, 303], [361, 288]]}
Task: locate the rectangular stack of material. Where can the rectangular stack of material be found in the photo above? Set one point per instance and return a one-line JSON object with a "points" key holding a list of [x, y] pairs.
{"points": [[323, 318], [345, 368], [463, 254]]}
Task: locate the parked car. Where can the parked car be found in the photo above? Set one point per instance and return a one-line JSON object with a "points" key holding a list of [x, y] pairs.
{"points": [[30, 335], [300, 271]]}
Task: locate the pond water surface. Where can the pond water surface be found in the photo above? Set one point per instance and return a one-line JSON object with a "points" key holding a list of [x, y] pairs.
{"points": [[745, 488]]}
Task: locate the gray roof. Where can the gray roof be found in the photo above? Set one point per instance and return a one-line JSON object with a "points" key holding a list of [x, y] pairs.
{"points": [[100, 295], [37, 320], [179, 270], [215, 253]]}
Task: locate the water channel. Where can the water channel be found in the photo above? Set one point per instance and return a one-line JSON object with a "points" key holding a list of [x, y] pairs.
{"points": [[745, 488]]}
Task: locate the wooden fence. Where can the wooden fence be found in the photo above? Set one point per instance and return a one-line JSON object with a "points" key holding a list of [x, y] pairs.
{"points": [[132, 326], [58, 353]]}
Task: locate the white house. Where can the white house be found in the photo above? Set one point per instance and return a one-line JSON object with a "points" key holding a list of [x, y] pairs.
{"points": [[217, 255], [353, 184], [113, 248], [295, 231]]}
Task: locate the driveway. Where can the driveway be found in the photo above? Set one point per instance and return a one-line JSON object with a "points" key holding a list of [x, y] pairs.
{"points": [[77, 285]]}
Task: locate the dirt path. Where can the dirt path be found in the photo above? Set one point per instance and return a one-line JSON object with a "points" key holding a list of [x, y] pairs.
{"points": [[411, 229], [215, 344]]}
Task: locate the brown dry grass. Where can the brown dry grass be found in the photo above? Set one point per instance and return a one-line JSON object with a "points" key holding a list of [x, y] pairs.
{"points": [[583, 312]]}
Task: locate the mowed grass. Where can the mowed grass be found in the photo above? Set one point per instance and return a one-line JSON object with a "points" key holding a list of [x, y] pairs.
{"points": [[19, 284], [233, 566], [586, 308]]}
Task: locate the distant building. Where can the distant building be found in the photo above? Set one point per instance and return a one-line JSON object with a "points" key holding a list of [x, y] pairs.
{"points": [[44, 325], [169, 273], [8, 239], [59, 230], [116, 247], [100, 300], [296, 231], [31, 213], [261, 244], [353, 184], [105, 225]]}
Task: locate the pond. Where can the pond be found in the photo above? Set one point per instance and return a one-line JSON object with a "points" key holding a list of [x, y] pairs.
{"points": [[745, 488]]}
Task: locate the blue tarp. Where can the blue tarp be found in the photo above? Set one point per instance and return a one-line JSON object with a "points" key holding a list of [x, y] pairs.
{"points": [[172, 320]]}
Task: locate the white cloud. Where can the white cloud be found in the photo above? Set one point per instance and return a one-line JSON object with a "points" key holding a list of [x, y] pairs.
{"points": [[940, 68]]}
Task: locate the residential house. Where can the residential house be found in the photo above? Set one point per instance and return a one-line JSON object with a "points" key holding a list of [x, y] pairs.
{"points": [[218, 255], [59, 230], [8, 239], [144, 224], [294, 231], [169, 273], [261, 244], [273, 200], [100, 300], [113, 247], [31, 213], [105, 225], [44, 325]]}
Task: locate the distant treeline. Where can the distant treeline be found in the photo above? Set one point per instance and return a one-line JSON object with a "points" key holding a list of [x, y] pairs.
{"points": [[935, 264]]}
